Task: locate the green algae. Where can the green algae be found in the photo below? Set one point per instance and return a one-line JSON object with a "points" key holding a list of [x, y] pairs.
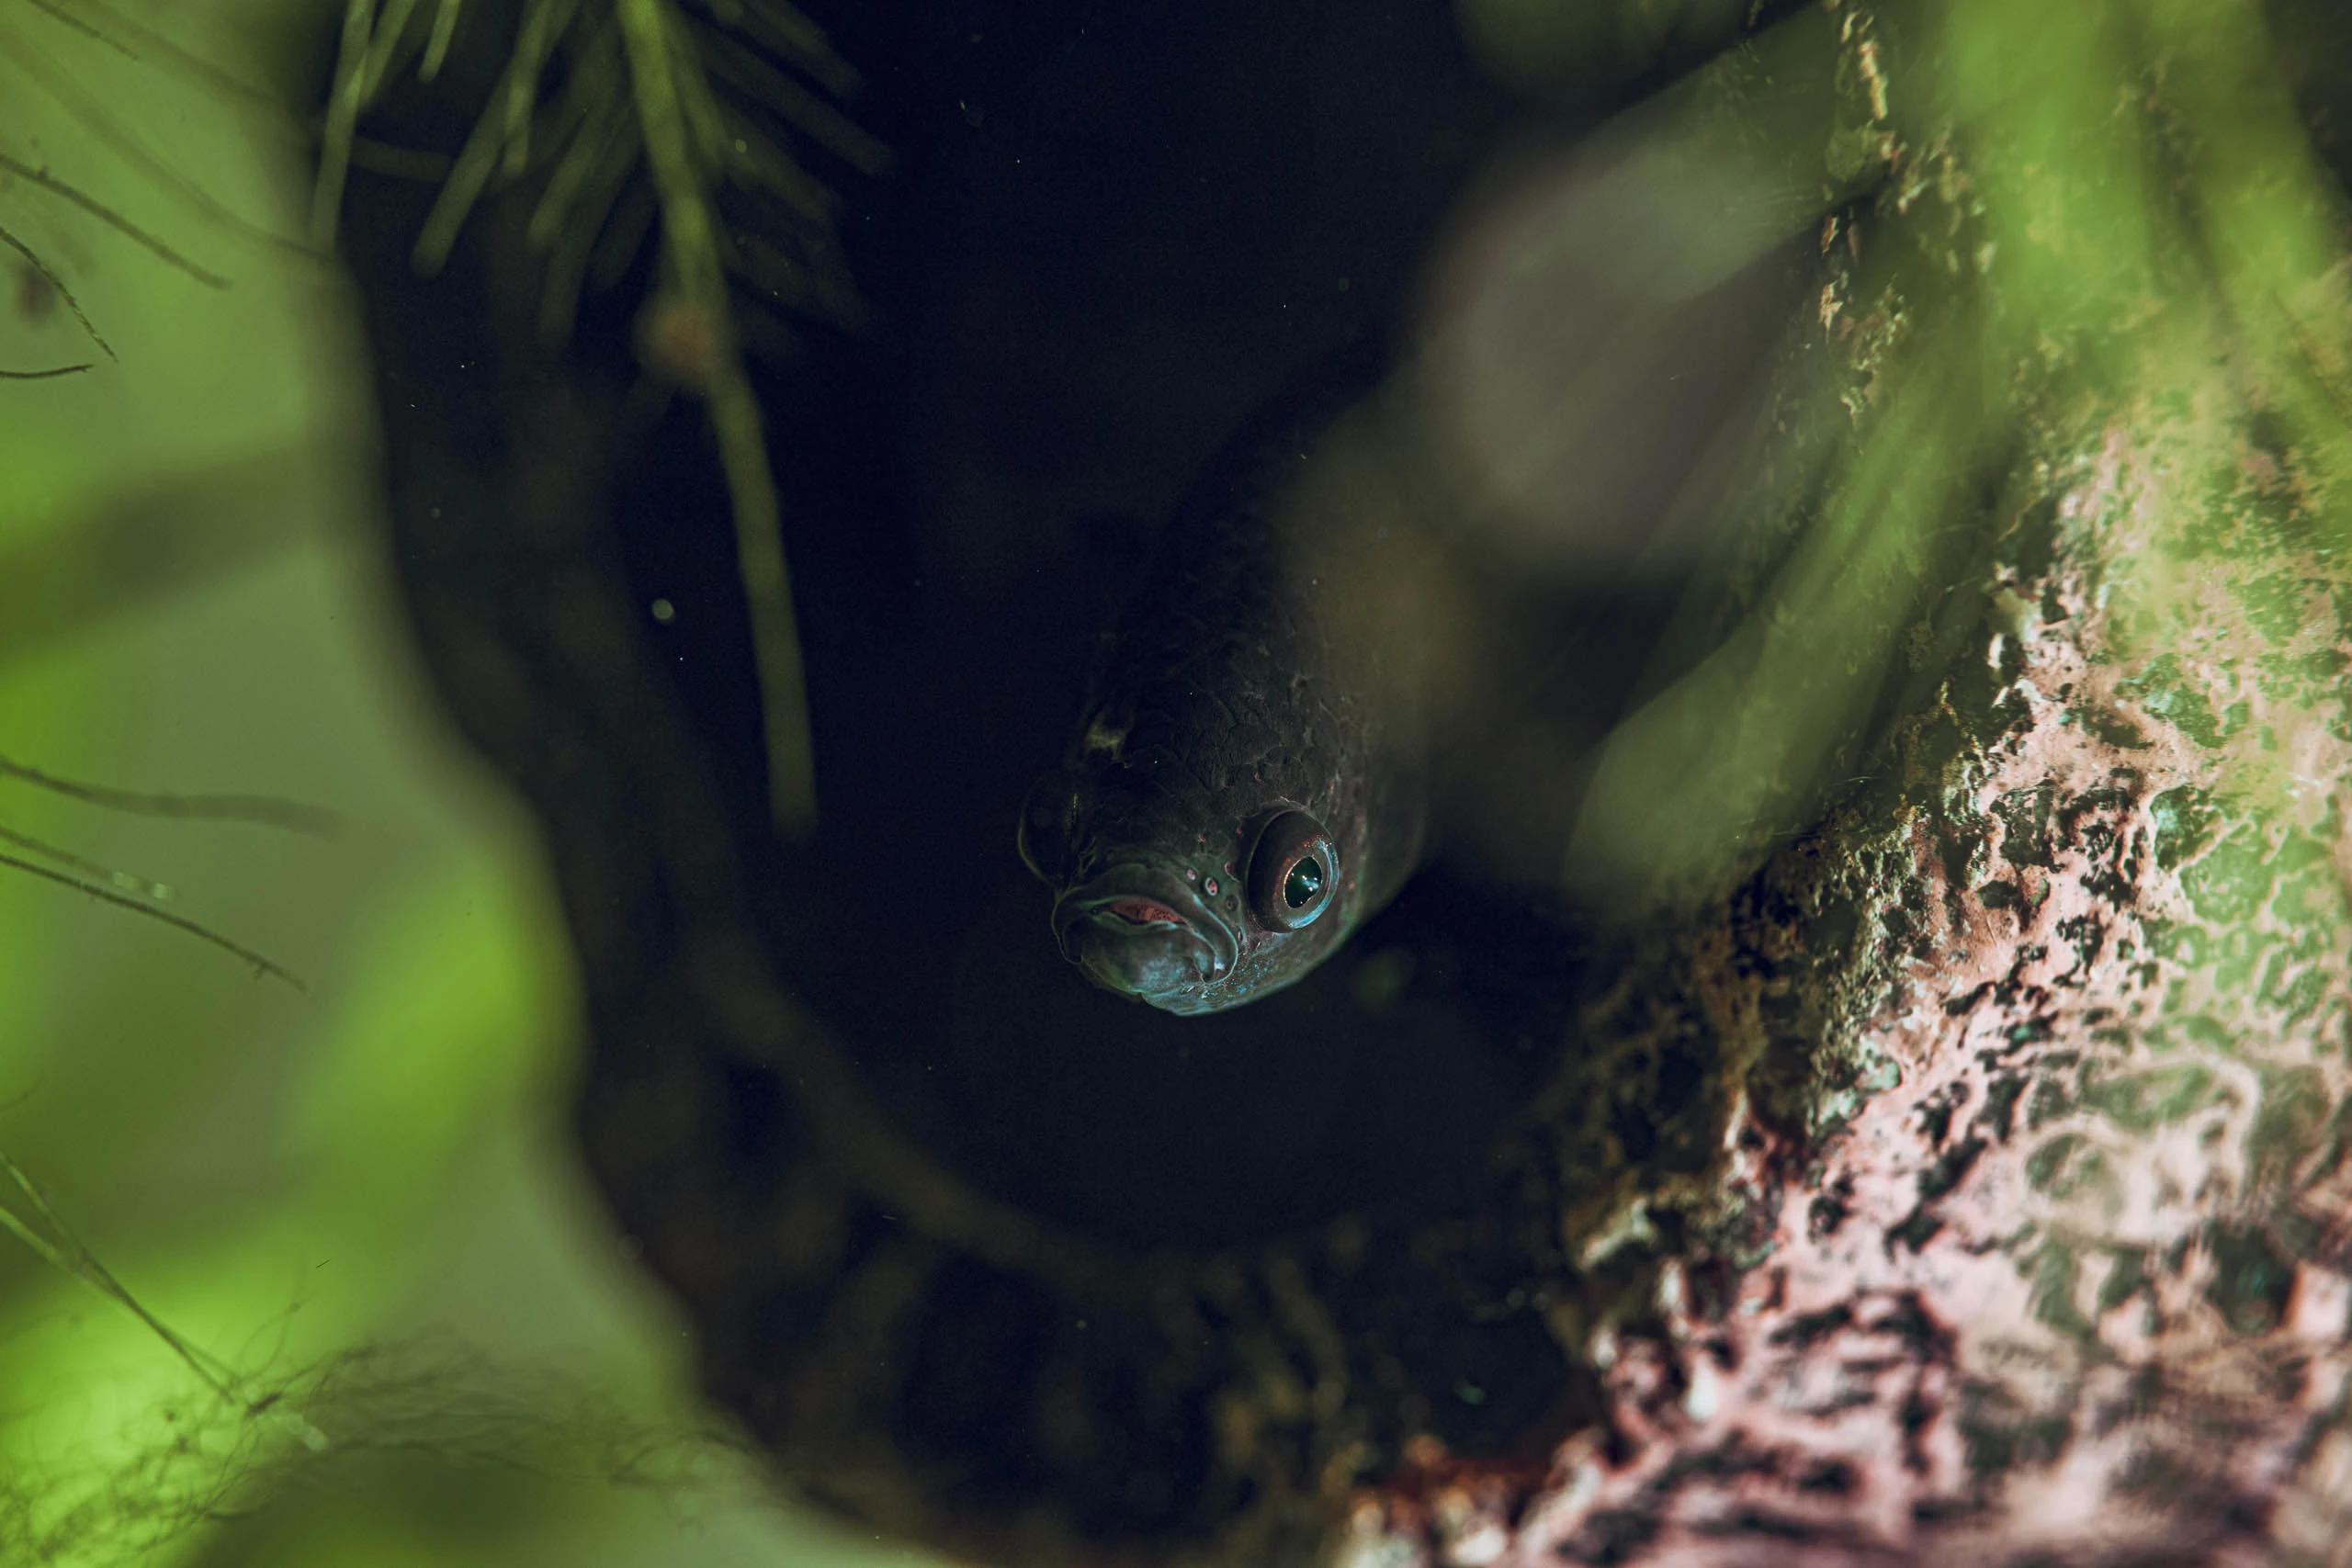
{"points": [[2164, 692], [2144, 1101]]}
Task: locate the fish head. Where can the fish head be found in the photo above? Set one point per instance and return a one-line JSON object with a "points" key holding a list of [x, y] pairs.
{"points": [[1190, 906]]}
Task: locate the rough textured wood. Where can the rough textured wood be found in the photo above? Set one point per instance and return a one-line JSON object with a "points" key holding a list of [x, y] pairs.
{"points": [[2060, 1277]]}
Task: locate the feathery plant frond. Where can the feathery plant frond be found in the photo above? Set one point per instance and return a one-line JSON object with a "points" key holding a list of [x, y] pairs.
{"points": [[30, 1219], [265, 1423], [615, 99]]}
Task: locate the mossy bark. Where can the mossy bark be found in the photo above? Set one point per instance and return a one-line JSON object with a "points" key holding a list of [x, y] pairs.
{"points": [[2029, 1244], [2038, 1256]]}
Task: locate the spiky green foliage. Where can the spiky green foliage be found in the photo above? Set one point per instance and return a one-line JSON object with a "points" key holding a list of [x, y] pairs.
{"points": [[642, 111], [270, 1179]]}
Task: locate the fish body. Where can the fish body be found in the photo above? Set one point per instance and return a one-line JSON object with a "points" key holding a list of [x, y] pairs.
{"points": [[1245, 785]]}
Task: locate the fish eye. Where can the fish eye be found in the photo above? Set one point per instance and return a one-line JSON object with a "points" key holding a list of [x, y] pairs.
{"points": [[1293, 872], [1049, 822]]}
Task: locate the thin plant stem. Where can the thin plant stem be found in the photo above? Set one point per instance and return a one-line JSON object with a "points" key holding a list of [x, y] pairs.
{"points": [[268, 810], [343, 118], [84, 867], [112, 220], [699, 278], [261, 965]]}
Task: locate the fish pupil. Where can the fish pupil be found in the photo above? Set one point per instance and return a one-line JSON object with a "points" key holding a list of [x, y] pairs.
{"points": [[1305, 880]]}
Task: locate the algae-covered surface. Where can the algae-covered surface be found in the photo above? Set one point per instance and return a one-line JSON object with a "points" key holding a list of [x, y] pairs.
{"points": [[2041, 1260], [352, 1202]]}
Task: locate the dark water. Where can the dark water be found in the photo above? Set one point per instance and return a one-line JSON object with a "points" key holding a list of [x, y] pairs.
{"points": [[1110, 232]]}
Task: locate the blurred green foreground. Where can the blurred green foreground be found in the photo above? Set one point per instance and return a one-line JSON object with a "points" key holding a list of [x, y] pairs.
{"points": [[360, 1199]]}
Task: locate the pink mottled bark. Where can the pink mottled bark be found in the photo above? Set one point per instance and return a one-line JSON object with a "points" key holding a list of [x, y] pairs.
{"points": [[2074, 1286]]}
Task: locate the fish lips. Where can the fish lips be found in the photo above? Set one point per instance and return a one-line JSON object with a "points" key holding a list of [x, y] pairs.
{"points": [[1143, 933]]}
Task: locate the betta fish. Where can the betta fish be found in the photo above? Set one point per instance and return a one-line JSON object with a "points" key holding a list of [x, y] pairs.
{"points": [[1247, 784], [1474, 562]]}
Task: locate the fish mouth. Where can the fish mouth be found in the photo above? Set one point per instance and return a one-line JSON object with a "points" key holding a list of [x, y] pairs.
{"points": [[1143, 933]]}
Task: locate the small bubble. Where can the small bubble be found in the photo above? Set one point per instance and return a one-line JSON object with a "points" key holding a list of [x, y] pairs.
{"points": [[1209, 888], [1230, 905], [663, 610], [1228, 868], [1191, 875]]}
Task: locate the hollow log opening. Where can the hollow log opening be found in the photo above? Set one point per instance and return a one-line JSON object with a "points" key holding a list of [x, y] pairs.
{"points": [[1964, 1141]]}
